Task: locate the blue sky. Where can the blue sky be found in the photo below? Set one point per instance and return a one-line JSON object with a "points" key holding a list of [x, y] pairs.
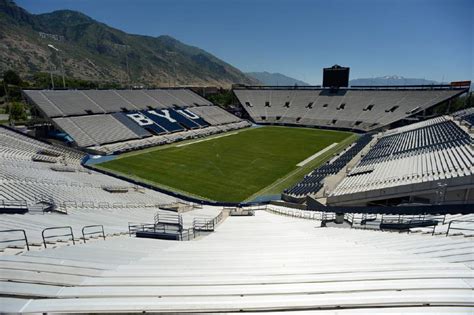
{"points": [[430, 39]]}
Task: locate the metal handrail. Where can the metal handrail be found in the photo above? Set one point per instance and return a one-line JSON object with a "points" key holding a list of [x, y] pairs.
{"points": [[173, 219], [203, 224], [6, 203], [303, 214], [56, 235], [94, 232], [187, 234], [460, 229], [134, 227], [350, 218], [175, 226], [16, 240]]}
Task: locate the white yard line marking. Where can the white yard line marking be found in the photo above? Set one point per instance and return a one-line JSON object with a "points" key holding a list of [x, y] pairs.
{"points": [[312, 157], [225, 135]]}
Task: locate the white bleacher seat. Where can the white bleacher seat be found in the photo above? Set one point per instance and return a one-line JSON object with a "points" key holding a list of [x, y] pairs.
{"points": [[229, 271], [319, 107]]}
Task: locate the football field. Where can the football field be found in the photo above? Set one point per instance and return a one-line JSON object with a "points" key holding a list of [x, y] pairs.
{"points": [[235, 166]]}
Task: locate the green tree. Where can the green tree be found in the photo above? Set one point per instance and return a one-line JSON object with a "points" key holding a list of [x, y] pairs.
{"points": [[11, 77], [17, 111], [223, 98], [2, 89]]}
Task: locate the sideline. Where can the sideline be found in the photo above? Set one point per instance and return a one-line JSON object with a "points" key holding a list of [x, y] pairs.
{"points": [[312, 157], [207, 139]]}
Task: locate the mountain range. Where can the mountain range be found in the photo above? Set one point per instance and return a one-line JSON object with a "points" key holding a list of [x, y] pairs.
{"points": [[391, 80], [276, 79], [90, 50]]}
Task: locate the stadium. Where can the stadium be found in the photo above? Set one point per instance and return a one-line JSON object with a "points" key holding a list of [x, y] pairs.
{"points": [[294, 199], [164, 177]]}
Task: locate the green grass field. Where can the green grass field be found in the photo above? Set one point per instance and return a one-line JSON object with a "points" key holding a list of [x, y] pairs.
{"points": [[232, 167]]}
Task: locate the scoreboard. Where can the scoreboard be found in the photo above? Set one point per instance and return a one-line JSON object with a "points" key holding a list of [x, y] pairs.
{"points": [[336, 77]]}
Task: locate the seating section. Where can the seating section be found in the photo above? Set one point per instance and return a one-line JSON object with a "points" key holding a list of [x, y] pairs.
{"points": [[16, 147], [97, 118], [62, 181], [109, 101], [215, 115], [248, 265], [95, 129], [133, 126], [56, 103], [73, 102], [438, 133], [313, 182], [114, 220], [410, 160], [346, 108], [465, 115]]}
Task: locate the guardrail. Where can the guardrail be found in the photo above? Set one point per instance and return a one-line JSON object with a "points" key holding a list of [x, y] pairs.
{"points": [[57, 235], [361, 218], [189, 234], [173, 219], [133, 228], [400, 218], [101, 231], [203, 224], [309, 215], [13, 203], [172, 224], [408, 222], [459, 228], [16, 240]]}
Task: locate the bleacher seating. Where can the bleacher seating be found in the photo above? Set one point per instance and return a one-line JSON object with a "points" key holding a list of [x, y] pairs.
{"points": [[248, 265], [95, 129], [313, 182], [434, 134], [466, 115], [23, 179], [114, 220], [57, 103], [96, 118], [412, 160], [357, 109], [214, 115]]}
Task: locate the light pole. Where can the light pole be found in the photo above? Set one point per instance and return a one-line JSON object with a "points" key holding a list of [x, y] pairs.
{"points": [[128, 67], [61, 61], [51, 73]]}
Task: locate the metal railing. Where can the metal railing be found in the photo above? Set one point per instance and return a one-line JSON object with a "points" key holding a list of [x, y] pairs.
{"points": [[49, 203], [25, 239], [163, 218], [133, 228], [203, 224], [450, 227], [189, 234], [411, 221], [57, 235], [172, 224], [13, 203], [359, 218], [101, 231], [302, 214]]}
